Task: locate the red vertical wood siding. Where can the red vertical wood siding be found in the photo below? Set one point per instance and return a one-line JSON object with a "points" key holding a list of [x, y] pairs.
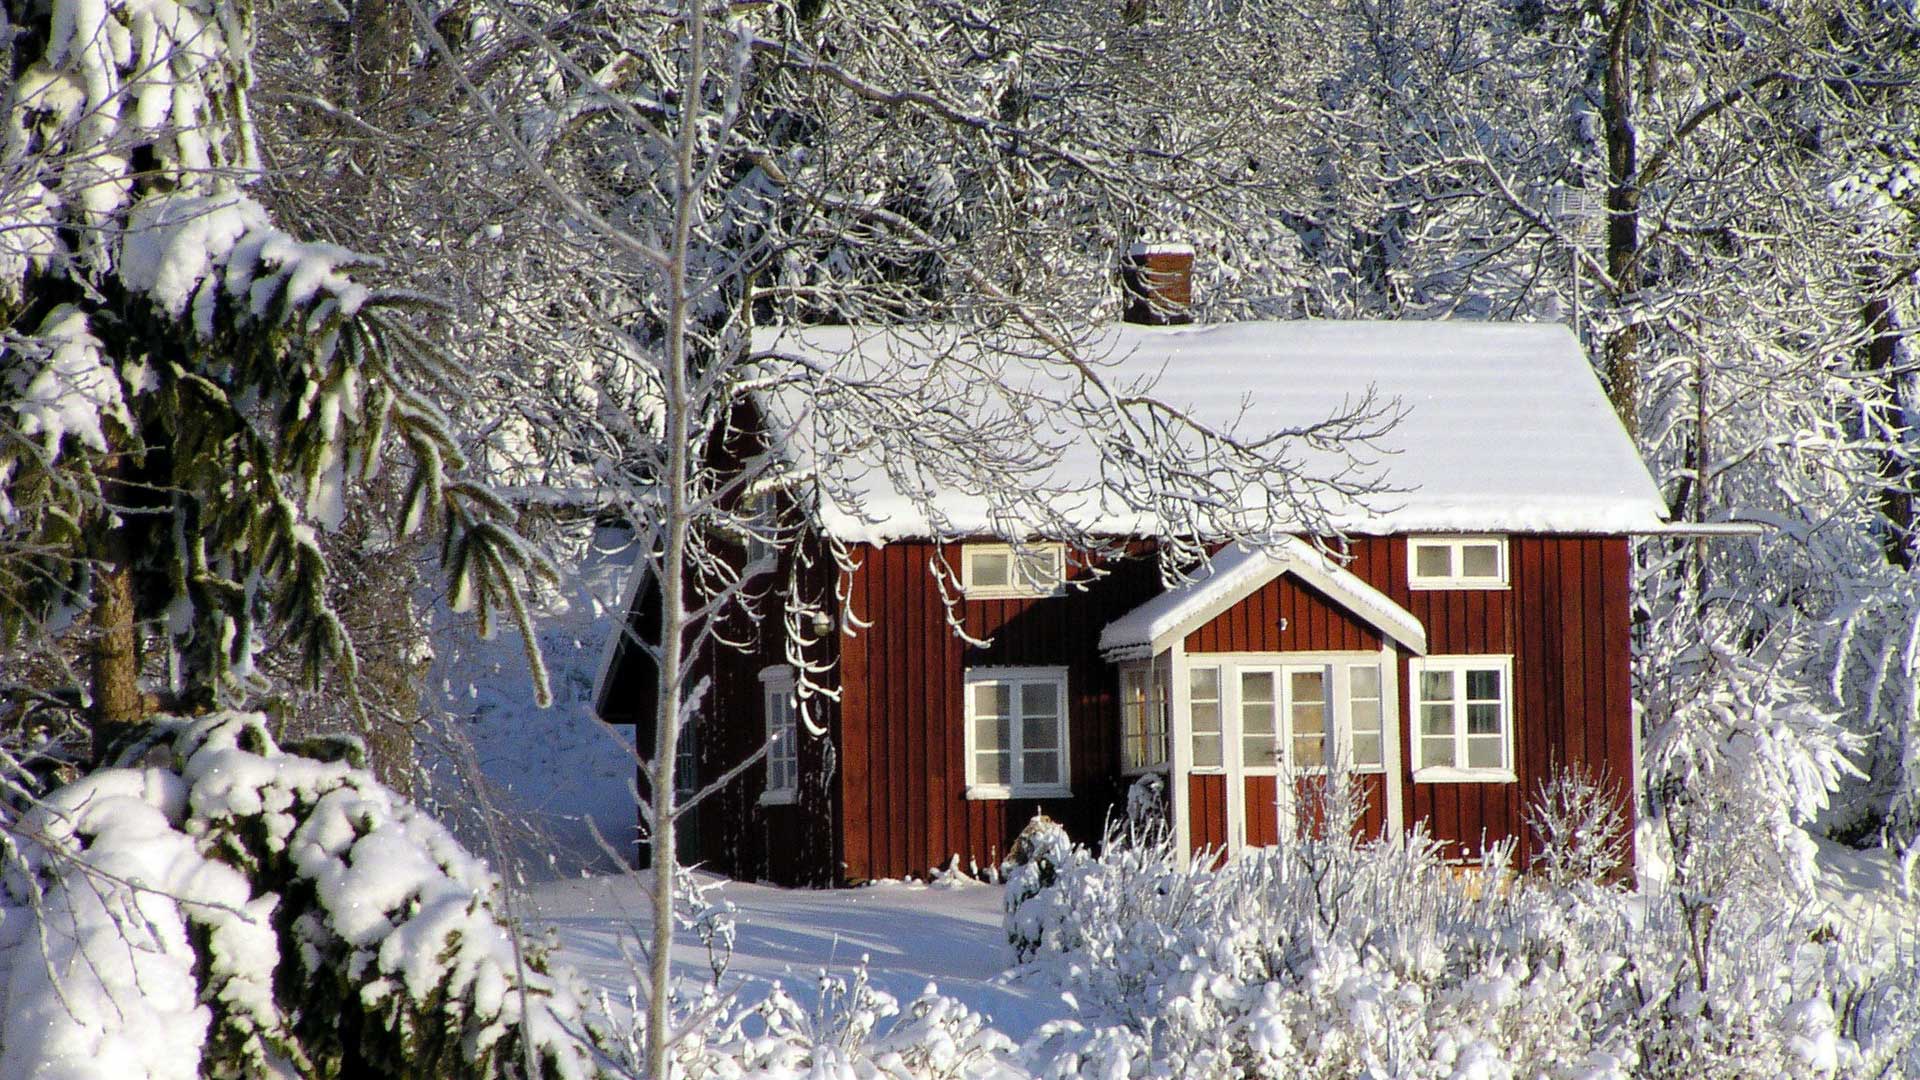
{"points": [[891, 789], [1207, 811], [909, 725], [1284, 615]]}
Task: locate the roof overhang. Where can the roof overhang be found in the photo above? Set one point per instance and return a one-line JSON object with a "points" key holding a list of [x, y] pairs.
{"points": [[1235, 573], [1705, 530]]}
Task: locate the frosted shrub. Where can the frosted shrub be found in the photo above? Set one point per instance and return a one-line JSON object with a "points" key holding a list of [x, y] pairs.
{"points": [[1041, 851], [1580, 820], [1327, 957], [224, 908], [854, 1032]]}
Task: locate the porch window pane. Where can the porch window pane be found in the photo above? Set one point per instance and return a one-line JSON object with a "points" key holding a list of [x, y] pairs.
{"points": [[1364, 715], [1203, 704], [1207, 752], [1307, 718], [1366, 750], [1204, 683], [1259, 745]]}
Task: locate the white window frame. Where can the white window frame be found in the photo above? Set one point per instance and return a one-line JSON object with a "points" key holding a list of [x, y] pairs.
{"points": [[1344, 670], [1016, 788], [1021, 586], [1460, 773], [1456, 546], [782, 735], [1158, 699], [1219, 702]]}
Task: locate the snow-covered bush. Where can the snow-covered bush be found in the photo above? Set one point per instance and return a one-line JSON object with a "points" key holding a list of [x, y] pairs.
{"points": [[1580, 819], [1324, 957], [855, 1032], [218, 906]]}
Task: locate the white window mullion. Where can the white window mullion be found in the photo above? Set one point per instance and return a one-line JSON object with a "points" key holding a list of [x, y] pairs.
{"points": [[1463, 719], [1016, 733]]}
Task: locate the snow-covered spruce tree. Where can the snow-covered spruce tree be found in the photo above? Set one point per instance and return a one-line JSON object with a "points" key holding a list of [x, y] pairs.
{"points": [[216, 906], [972, 174], [186, 392]]}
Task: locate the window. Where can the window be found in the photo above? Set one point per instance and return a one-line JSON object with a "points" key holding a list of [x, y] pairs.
{"points": [[1464, 716], [1143, 716], [1016, 732], [1259, 742], [1468, 562], [997, 571], [758, 525], [1364, 712], [1307, 717], [783, 737], [1203, 706]]}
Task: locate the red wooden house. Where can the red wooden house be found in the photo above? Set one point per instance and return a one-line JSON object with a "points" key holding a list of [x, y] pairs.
{"points": [[1475, 640]]}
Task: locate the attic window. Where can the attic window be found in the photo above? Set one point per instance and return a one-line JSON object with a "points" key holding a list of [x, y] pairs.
{"points": [[1457, 562], [998, 571]]}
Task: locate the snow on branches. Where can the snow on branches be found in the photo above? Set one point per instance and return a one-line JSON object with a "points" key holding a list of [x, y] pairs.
{"points": [[236, 909], [201, 388]]}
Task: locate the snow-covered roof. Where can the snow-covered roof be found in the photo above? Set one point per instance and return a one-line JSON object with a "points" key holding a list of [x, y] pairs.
{"points": [[1504, 427], [1233, 574]]}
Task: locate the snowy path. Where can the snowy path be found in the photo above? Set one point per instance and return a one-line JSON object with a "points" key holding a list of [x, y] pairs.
{"points": [[911, 935]]}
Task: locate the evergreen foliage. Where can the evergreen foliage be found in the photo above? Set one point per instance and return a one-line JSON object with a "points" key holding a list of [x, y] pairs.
{"points": [[186, 391], [256, 911]]}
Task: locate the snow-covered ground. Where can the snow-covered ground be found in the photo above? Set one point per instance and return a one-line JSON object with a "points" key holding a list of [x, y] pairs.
{"points": [[549, 771], [909, 934]]}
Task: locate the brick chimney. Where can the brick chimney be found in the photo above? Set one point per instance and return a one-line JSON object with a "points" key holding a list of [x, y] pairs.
{"points": [[1158, 279]]}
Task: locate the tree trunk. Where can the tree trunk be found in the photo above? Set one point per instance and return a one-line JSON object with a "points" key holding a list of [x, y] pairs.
{"points": [[1623, 214], [678, 489], [118, 705], [1884, 423]]}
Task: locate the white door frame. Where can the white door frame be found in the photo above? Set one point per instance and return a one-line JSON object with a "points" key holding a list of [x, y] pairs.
{"points": [[1236, 768]]}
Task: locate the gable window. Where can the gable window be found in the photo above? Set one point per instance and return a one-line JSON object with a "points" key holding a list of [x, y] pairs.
{"points": [[783, 737], [1203, 711], [758, 525], [1457, 562], [1463, 716], [1143, 716], [1016, 732], [998, 571]]}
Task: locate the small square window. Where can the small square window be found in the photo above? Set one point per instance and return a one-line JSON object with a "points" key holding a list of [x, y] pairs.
{"points": [[1464, 562], [999, 572]]}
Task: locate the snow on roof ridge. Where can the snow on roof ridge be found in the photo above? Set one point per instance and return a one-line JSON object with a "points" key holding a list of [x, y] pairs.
{"points": [[1505, 428], [1161, 247], [1232, 574]]}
